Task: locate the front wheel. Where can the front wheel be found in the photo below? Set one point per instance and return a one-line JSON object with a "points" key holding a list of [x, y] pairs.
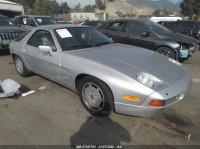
{"points": [[96, 96], [166, 51]]}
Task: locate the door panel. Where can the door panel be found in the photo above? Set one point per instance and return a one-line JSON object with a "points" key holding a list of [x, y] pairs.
{"points": [[41, 62], [116, 32], [134, 36], [117, 36]]}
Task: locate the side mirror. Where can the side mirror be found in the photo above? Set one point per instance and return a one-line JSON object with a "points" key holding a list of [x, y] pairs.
{"points": [[146, 34], [46, 49]]}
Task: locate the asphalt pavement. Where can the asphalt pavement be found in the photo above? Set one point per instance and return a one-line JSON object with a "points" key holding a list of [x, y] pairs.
{"points": [[54, 115]]}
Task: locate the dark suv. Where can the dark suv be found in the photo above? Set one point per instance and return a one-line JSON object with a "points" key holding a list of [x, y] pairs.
{"points": [[150, 35], [191, 28], [8, 32]]}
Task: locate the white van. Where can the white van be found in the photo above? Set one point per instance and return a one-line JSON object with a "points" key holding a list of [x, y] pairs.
{"points": [[170, 18]]}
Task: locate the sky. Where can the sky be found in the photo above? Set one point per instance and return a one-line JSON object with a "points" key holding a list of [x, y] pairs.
{"points": [[72, 3]]}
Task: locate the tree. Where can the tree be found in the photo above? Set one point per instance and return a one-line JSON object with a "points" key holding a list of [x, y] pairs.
{"points": [[101, 5], [89, 8], [28, 4], [64, 8], [156, 13], [191, 8], [163, 12], [56, 7], [77, 8], [43, 7]]}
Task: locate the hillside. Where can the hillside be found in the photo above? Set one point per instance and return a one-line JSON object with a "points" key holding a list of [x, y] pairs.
{"points": [[156, 4], [123, 7], [141, 8]]}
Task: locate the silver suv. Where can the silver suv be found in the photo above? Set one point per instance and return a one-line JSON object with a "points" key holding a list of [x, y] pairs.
{"points": [[29, 21]]}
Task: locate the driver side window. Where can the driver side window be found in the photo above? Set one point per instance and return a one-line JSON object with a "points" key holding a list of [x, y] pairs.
{"points": [[42, 38]]}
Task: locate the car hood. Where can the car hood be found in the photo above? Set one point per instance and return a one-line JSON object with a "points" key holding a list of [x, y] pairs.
{"points": [[181, 38], [131, 60], [10, 29]]}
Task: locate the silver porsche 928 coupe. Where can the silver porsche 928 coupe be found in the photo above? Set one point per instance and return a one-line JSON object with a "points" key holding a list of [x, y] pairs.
{"points": [[107, 76]]}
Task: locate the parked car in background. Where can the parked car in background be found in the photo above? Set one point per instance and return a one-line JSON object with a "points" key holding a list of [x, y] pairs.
{"points": [[150, 35], [64, 22], [29, 21], [108, 76], [94, 23], [163, 22], [8, 31], [169, 18], [77, 22], [190, 28]]}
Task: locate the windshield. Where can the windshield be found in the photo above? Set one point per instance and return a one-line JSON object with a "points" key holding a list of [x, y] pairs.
{"points": [[73, 38], [157, 28], [45, 21], [6, 22]]}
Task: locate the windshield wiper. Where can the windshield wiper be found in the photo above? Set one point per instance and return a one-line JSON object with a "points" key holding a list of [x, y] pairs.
{"points": [[78, 47], [103, 43]]}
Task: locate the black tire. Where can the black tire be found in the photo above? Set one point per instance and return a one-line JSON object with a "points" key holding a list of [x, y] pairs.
{"points": [[22, 71], [166, 51], [99, 101]]}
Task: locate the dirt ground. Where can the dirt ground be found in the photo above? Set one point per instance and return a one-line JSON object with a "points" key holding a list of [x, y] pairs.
{"points": [[54, 115]]}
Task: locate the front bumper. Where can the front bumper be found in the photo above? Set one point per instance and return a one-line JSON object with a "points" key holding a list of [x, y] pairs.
{"points": [[4, 44], [188, 52], [170, 95]]}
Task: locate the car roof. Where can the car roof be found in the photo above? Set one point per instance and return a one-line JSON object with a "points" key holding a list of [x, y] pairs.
{"points": [[131, 19], [194, 21], [95, 21], [32, 16], [2, 16], [57, 26], [183, 21]]}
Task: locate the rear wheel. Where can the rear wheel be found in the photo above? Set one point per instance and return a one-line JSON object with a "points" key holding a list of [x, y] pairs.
{"points": [[20, 67], [95, 96], [166, 51]]}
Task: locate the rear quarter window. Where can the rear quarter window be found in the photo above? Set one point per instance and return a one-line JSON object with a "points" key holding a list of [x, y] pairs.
{"points": [[173, 26], [197, 27], [187, 26]]}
